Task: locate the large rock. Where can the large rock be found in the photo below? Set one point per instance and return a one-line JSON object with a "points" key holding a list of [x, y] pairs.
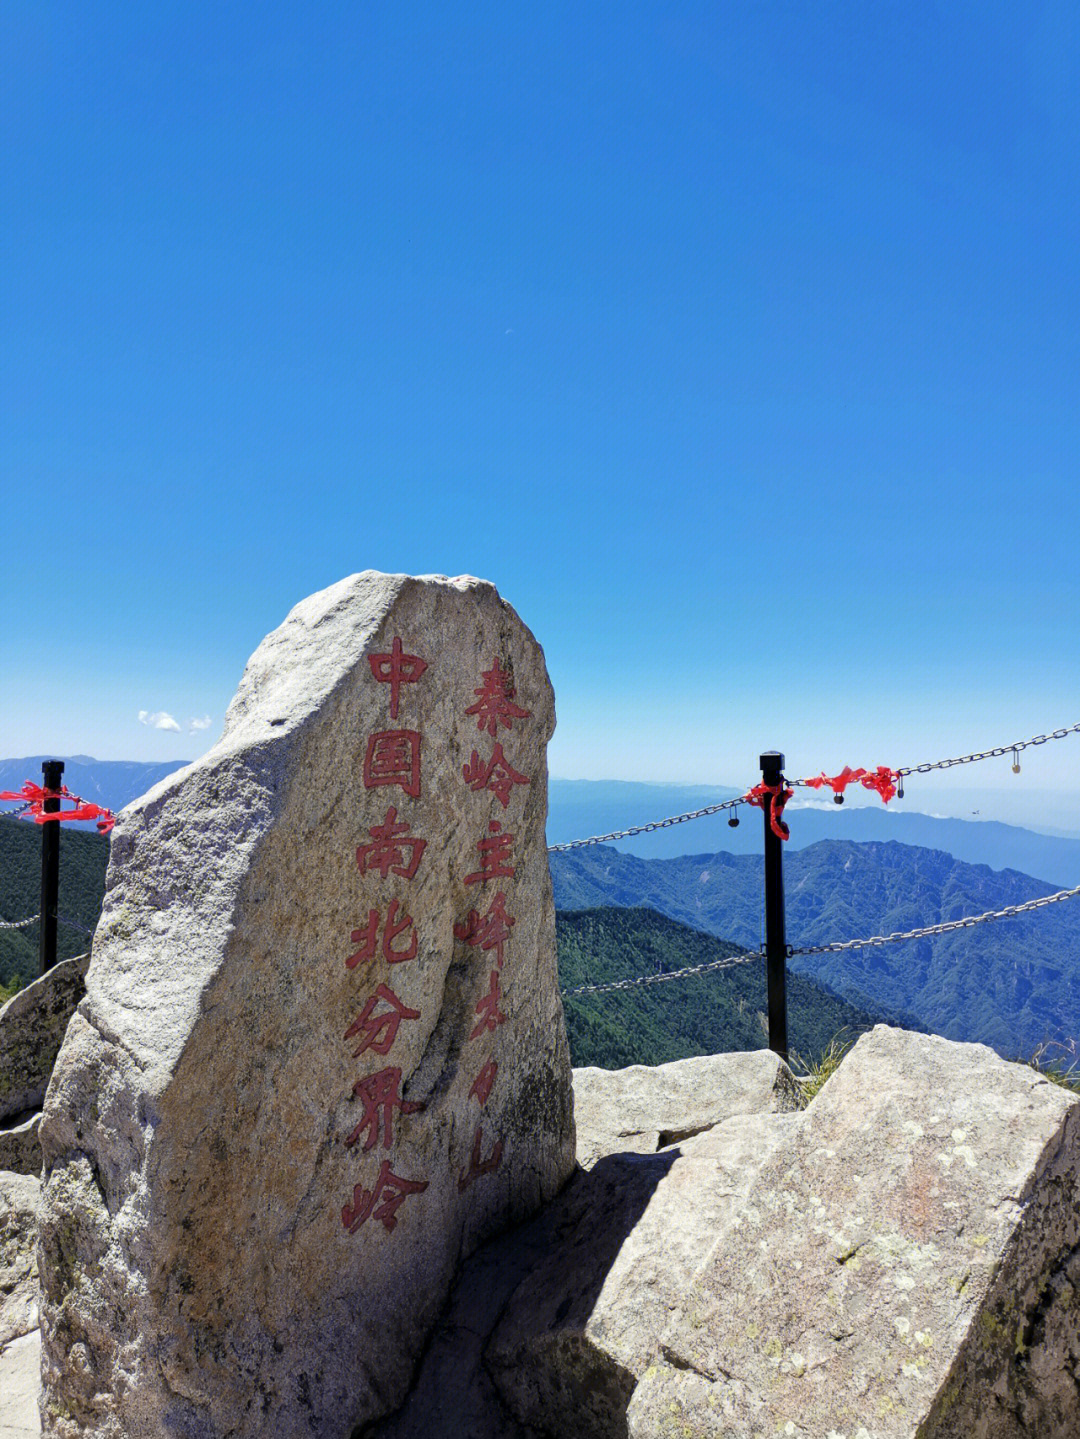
{"points": [[549, 1327], [32, 1025], [20, 1146], [20, 1368], [644, 1108], [584, 1326], [322, 1053], [20, 1197], [907, 1262]]}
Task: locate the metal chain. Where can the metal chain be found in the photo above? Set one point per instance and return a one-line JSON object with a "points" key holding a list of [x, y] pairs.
{"points": [[1009, 912], [71, 924], [996, 753], [646, 828], [637, 829], [729, 962], [18, 923]]}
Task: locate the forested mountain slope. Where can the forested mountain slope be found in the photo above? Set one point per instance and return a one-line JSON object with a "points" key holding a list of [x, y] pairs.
{"points": [[83, 858], [706, 1014], [1012, 984]]}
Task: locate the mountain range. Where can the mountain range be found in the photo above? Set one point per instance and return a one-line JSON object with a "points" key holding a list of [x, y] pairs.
{"points": [[110, 783], [1013, 984], [703, 1014], [579, 808]]}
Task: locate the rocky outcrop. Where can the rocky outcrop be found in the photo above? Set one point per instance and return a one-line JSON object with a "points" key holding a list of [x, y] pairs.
{"points": [[322, 1055], [20, 1146], [549, 1328], [584, 1326], [644, 1108], [20, 1196], [900, 1259], [905, 1262], [32, 1025]]}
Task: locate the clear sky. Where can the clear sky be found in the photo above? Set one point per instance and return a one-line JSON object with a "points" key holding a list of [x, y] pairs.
{"points": [[737, 343]]}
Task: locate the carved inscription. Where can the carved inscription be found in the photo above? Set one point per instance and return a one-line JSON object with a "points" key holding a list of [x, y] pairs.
{"points": [[392, 854]]}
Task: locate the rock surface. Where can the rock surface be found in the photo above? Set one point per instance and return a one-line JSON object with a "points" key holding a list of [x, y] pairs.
{"points": [[549, 1327], [584, 1326], [32, 1025], [322, 1055], [906, 1262], [20, 1197], [20, 1146], [20, 1369], [641, 1109]]}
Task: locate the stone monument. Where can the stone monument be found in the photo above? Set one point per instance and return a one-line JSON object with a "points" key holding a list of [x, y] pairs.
{"points": [[321, 1055]]}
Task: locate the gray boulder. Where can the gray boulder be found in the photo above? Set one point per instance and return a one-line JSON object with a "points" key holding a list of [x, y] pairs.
{"points": [[32, 1026], [20, 1380], [550, 1327], [643, 1108], [322, 1054], [905, 1263], [586, 1323], [20, 1146], [20, 1198]]}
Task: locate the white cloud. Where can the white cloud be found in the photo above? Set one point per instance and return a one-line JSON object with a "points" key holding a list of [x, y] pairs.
{"points": [[158, 719], [196, 724]]}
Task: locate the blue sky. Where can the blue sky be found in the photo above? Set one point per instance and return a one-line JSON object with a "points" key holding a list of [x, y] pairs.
{"points": [[738, 344]]}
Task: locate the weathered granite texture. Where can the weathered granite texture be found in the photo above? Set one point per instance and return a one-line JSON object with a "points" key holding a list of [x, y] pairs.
{"points": [[906, 1263], [586, 1323], [20, 1146], [322, 1054], [32, 1025], [20, 1197], [641, 1109], [20, 1369], [549, 1327]]}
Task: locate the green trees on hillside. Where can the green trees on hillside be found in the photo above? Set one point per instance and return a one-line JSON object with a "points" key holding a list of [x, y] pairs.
{"points": [[83, 858], [706, 1014]]}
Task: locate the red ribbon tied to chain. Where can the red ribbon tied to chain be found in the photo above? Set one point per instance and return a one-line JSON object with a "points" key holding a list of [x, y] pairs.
{"points": [[882, 780], [34, 797], [779, 794]]}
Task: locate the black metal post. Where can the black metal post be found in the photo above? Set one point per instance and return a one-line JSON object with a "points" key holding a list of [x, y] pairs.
{"points": [[52, 769], [772, 767]]}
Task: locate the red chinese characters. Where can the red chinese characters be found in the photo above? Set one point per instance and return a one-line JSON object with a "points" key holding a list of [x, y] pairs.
{"points": [[396, 669], [393, 757], [494, 856], [382, 1202], [494, 705], [490, 931], [481, 1090], [367, 938], [478, 1166], [496, 775], [393, 849], [379, 1030], [491, 1016], [380, 1096]]}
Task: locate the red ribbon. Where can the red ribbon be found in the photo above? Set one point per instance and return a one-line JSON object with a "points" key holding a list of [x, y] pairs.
{"points": [[34, 798], [779, 795], [30, 791], [882, 780]]}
